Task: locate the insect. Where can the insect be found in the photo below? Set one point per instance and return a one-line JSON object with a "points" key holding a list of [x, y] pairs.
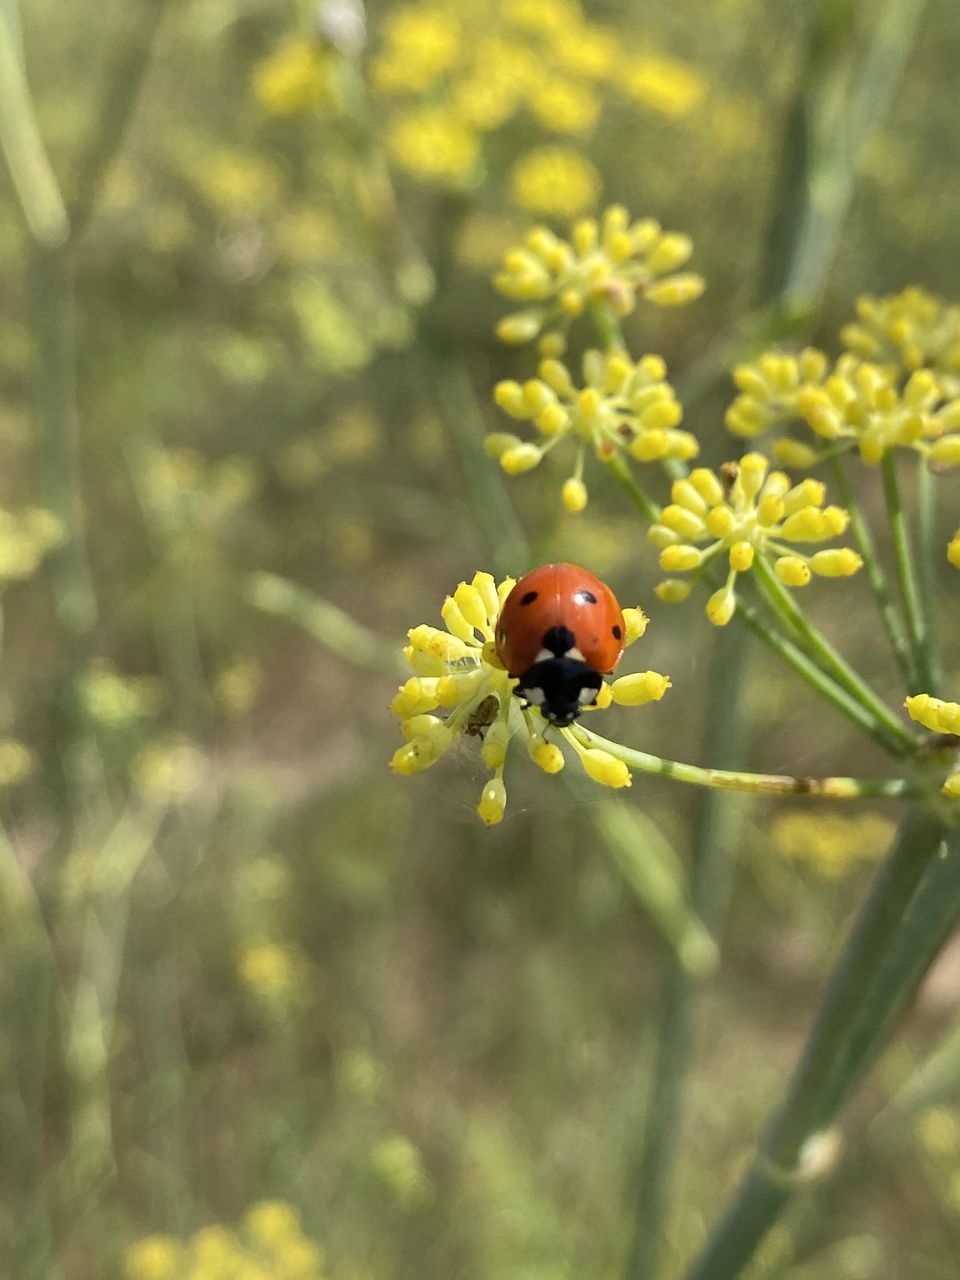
{"points": [[560, 630]]}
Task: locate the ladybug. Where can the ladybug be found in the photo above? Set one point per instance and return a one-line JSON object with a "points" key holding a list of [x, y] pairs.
{"points": [[560, 630]]}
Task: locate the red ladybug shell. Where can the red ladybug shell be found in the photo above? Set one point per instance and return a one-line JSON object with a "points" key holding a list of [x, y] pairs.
{"points": [[565, 596]]}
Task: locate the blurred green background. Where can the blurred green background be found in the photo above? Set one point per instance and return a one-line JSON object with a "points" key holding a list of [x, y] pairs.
{"points": [[241, 962]]}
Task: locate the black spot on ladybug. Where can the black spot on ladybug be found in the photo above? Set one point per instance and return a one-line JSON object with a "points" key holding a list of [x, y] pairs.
{"points": [[584, 597], [617, 633], [529, 597]]}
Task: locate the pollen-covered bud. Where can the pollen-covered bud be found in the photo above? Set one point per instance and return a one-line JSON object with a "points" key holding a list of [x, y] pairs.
{"points": [[841, 562], [792, 571], [934, 713], [493, 802], [638, 689], [753, 471], [417, 695], [494, 749], [605, 768], [721, 606], [635, 622], [574, 494]]}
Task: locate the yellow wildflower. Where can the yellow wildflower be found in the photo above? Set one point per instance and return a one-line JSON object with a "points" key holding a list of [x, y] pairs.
{"points": [[615, 261], [155, 1258], [664, 84], [458, 672], [293, 78], [625, 406], [830, 844], [400, 1166], [25, 538], [564, 106], [17, 762], [586, 49], [239, 183], [272, 971], [433, 145], [420, 44], [747, 512], [938, 1131], [556, 181], [272, 1223], [544, 17]]}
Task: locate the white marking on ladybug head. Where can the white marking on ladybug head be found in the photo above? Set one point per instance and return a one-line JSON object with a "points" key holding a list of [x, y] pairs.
{"points": [[574, 653], [535, 695], [543, 655], [587, 695]]}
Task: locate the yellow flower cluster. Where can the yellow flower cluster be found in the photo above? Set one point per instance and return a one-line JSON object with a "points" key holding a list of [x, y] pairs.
{"points": [[433, 145], [941, 717], [457, 670], [475, 64], [746, 512], [625, 405], [616, 261], [294, 78], [911, 328], [269, 1245], [852, 404]]}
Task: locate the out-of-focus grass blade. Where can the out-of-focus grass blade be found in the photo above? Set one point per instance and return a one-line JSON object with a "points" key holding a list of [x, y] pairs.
{"points": [[651, 868], [335, 630]]}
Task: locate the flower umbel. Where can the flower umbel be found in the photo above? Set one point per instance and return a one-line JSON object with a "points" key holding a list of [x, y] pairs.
{"points": [[746, 511], [458, 672], [911, 328], [625, 406], [614, 261]]}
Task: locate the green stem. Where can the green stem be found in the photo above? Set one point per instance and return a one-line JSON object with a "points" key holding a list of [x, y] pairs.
{"points": [[620, 470], [876, 577], [777, 1168], [906, 574], [931, 557], [782, 602], [754, 783], [30, 170]]}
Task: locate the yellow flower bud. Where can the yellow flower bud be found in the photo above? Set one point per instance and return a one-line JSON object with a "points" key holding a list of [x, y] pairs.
{"points": [[661, 416], [838, 563], [605, 768], [497, 443], [552, 420], [807, 525], [486, 585], [837, 519], [574, 494], [557, 376], [792, 571], [680, 558], [934, 713], [721, 606], [494, 749], [951, 787], [719, 522], [808, 493], [676, 291], [687, 495], [457, 688], [522, 457], [471, 605], [672, 252], [683, 445], [519, 327], [571, 302], [417, 726], [417, 695], [770, 511], [753, 471], [672, 590], [792, 453], [649, 446], [546, 755], [493, 801], [552, 344], [455, 622], [953, 550], [741, 556], [636, 690], [589, 402], [707, 485], [603, 699], [584, 236], [661, 536], [537, 396], [681, 521], [509, 396], [946, 451]]}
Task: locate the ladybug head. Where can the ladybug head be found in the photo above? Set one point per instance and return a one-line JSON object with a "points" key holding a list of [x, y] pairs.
{"points": [[560, 683]]}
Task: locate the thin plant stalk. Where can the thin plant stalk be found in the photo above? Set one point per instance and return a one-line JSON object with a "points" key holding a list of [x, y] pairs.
{"points": [[917, 622], [771, 784], [778, 1166], [877, 578], [820, 648], [930, 558]]}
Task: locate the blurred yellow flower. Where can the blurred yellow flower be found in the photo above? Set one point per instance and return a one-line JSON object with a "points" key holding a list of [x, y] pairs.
{"points": [[295, 77], [420, 45], [556, 181], [564, 106], [938, 1131], [113, 699], [239, 183], [17, 762], [155, 1258], [546, 17], [432, 144], [830, 844], [237, 685], [399, 1164], [953, 550], [664, 84], [271, 971], [25, 538], [170, 769], [272, 1223], [586, 49]]}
